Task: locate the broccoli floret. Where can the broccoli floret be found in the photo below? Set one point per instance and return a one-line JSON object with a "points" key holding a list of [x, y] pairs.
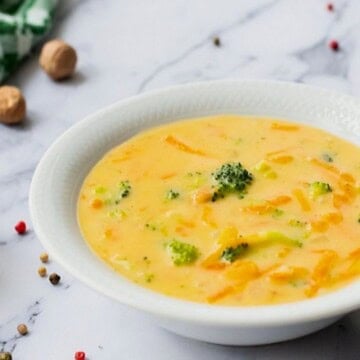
{"points": [[231, 178], [318, 188], [124, 188], [297, 223], [151, 226], [327, 157], [230, 254], [277, 213], [123, 191], [182, 253], [149, 278], [171, 195]]}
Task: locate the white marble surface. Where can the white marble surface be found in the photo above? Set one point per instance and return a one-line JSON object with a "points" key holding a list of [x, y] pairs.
{"points": [[126, 47]]}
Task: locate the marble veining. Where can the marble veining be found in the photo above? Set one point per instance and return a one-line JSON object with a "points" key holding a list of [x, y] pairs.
{"points": [[32, 312], [127, 47]]}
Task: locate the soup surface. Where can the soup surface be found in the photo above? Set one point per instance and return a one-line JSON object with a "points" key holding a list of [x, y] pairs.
{"points": [[228, 210]]}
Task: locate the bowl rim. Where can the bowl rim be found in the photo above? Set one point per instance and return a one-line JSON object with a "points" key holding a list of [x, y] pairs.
{"points": [[330, 305]]}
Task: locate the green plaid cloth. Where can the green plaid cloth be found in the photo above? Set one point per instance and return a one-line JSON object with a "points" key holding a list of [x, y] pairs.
{"points": [[9, 5], [22, 24]]}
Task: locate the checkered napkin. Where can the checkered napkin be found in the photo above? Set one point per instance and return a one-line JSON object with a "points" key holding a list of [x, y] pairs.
{"points": [[22, 24]]}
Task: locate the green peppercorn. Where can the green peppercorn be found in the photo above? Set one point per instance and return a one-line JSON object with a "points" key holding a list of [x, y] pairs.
{"points": [[5, 356]]}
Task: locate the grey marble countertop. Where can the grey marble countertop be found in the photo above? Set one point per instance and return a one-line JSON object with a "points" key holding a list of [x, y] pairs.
{"points": [[127, 47]]}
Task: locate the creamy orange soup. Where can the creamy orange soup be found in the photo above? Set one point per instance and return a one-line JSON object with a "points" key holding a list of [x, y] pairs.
{"points": [[228, 210]]}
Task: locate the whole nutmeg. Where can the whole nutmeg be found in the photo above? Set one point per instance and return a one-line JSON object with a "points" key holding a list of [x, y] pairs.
{"points": [[12, 105], [58, 59], [5, 356]]}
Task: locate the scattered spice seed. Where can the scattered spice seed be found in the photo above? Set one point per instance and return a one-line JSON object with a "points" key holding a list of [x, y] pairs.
{"points": [[22, 329], [216, 41], [5, 356], [334, 45], [80, 355], [330, 6], [20, 227], [44, 257], [42, 271], [54, 278]]}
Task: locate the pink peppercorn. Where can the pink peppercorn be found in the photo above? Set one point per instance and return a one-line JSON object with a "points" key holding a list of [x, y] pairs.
{"points": [[334, 45], [20, 227], [330, 6], [80, 355]]}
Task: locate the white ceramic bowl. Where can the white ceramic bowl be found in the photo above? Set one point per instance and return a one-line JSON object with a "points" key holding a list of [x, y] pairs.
{"points": [[59, 175]]}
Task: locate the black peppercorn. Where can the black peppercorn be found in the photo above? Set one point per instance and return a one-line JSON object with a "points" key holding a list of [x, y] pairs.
{"points": [[54, 278], [216, 41]]}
